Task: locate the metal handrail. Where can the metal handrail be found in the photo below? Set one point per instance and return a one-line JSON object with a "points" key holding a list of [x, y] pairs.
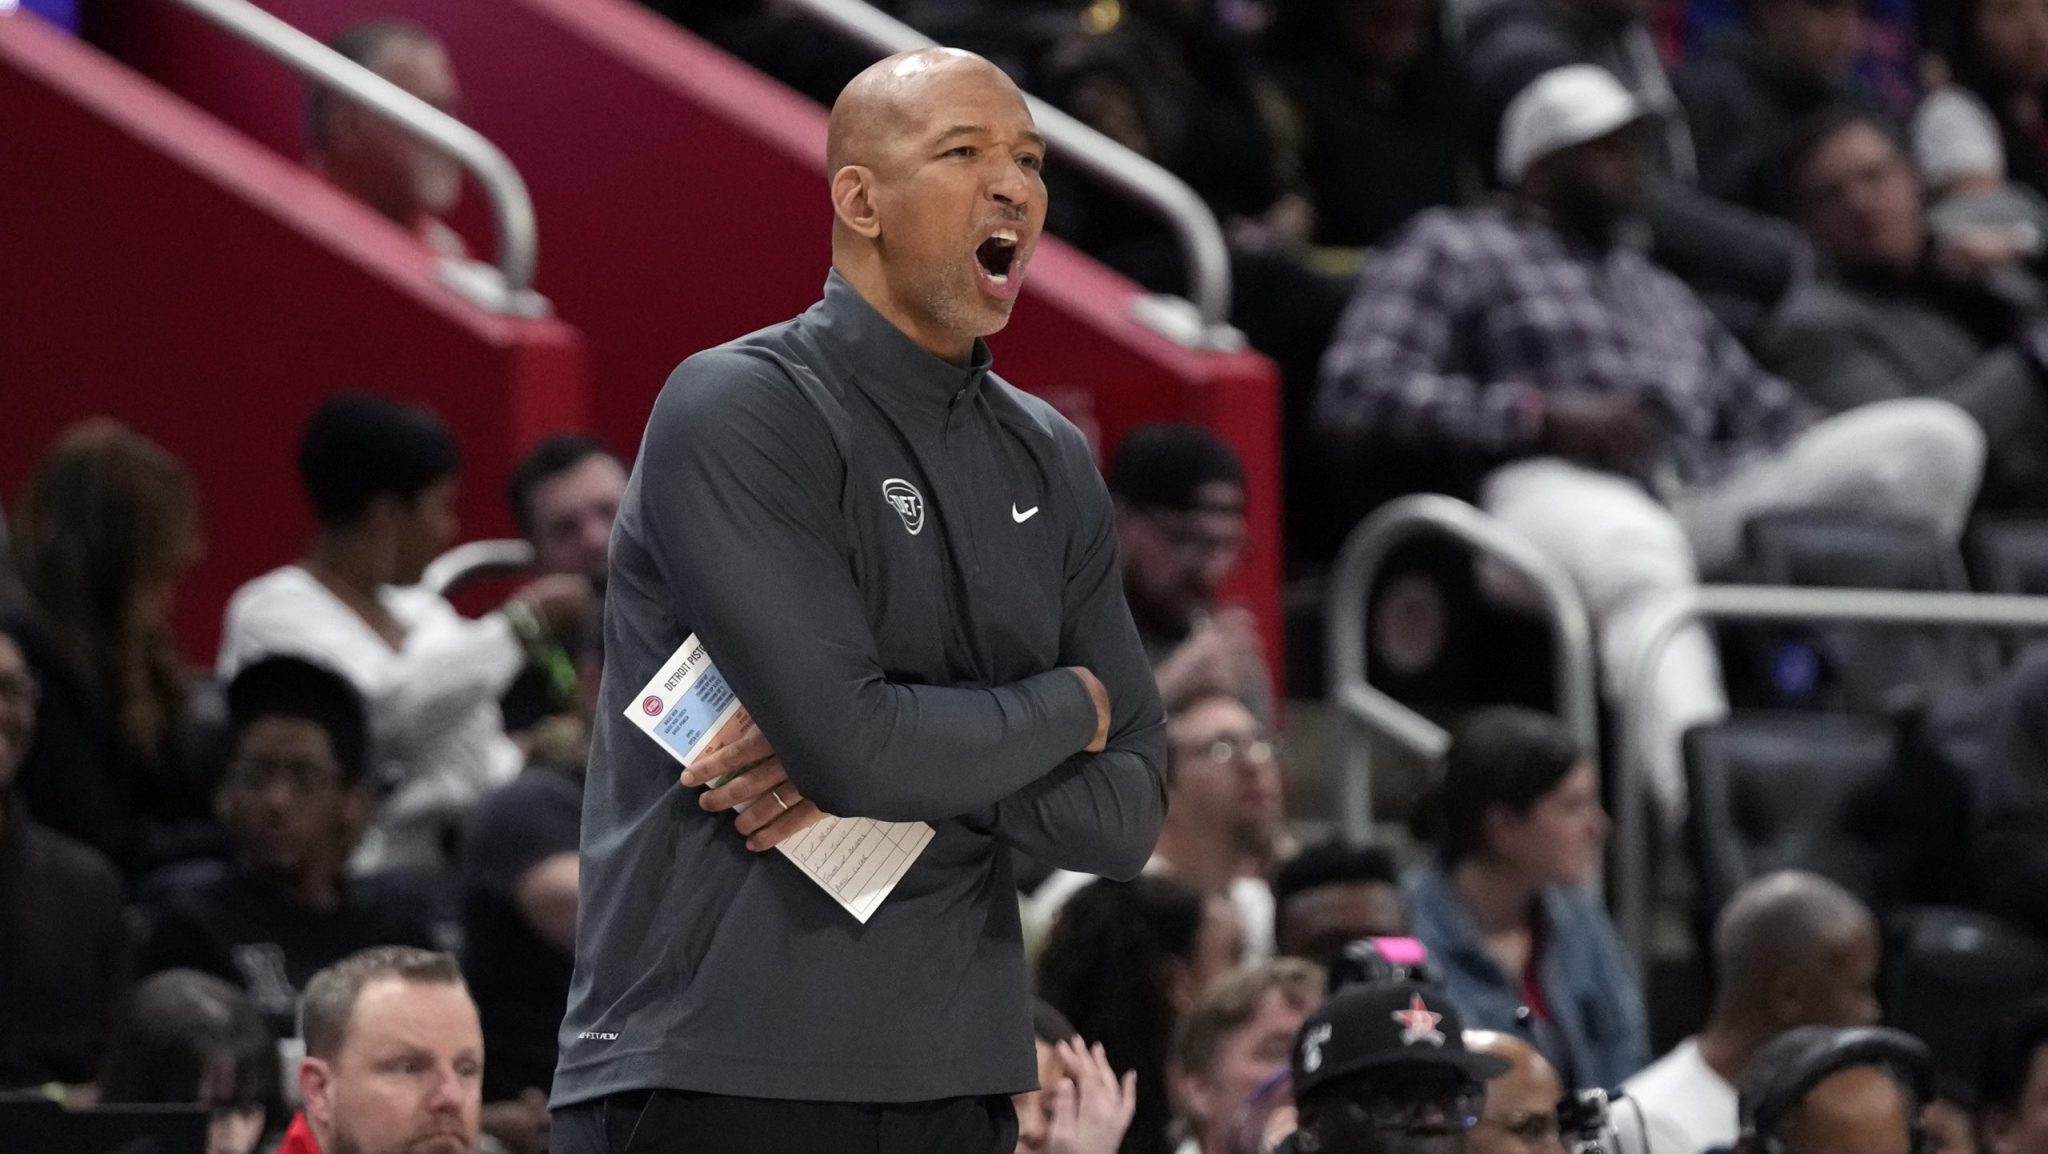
{"points": [[472, 560], [511, 207], [1681, 607], [1360, 705], [1194, 226]]}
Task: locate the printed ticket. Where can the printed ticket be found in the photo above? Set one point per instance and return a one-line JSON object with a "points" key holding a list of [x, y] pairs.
{"points": [[856, 860]]}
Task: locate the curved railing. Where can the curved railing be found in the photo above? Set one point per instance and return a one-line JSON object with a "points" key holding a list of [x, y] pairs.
{"points": [[1361, 707], [511, 207]]}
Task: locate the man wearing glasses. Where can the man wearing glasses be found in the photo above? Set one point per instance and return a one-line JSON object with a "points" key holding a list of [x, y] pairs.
{"points": [[1382, 1068], [1225, 817], [1180, 525], [294, 801]]}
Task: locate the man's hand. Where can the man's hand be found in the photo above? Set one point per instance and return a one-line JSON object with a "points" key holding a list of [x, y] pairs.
{"points": [[1615, 433], [745, 774], [1219, 655], [1091, 1107], [561, 600], [521, 1124], [1968, 257], [1098, 694]]}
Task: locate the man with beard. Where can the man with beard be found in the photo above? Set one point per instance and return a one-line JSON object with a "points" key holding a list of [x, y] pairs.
{"points": [[1383, 1068], [1629, 436], [394, 1058], [367, 154], [906, 570]]}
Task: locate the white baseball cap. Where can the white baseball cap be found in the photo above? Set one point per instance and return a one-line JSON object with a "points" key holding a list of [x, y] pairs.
{"points": [[1563, 107]]}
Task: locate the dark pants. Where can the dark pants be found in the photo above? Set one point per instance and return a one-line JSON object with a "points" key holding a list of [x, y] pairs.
{"points": [[678, 1122]]}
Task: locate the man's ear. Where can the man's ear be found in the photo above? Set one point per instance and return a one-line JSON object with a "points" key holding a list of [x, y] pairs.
{"points": [[853, 200], [356, 808], [1790, 996], [316, 1085]]}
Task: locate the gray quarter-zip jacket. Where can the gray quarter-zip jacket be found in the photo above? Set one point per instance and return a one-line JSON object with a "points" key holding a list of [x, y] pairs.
{"points": [[891, 558]]}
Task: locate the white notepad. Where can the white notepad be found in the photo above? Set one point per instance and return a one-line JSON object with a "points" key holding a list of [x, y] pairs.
{"points": [[857, 860]]}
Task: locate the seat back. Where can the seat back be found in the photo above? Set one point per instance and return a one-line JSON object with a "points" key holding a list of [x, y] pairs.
{"points": [[1781, 790], [1950, 972], [1857, 667]]}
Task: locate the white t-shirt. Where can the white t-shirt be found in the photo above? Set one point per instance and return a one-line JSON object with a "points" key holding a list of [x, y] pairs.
{"points": [[438, 736], [1685, 1106], [1250, 897]]}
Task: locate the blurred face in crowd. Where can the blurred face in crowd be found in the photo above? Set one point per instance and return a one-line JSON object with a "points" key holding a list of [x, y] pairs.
{"points": [[18, 695], [1859, 201], [408, 1078], [1176, 559], [1820, 39], [1402, 1109], [1949, 1128], [1558, 841], [1386, 37], [1520, 1114], [291, 814], [2023, 1129], [1590, 188], [572, 513], [423, 529], [2012, 38], [1861, 1110], [393, 171], [947, 186], [1318, 923], [1034, 1117], [1224, 776], [1245, 1058]]}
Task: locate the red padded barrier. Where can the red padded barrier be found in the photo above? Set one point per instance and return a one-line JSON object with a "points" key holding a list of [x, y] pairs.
{"points": [[682, 202], [161, 268]]}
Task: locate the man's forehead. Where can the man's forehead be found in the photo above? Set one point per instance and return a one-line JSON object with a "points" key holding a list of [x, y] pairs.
{"points": [[397, 1012]]}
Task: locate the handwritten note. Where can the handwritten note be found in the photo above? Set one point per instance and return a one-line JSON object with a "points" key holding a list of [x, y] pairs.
{"points": [[857, 860]]}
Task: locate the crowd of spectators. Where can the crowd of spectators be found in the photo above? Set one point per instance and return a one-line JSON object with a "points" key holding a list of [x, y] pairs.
{"points": [[1637, 301]]}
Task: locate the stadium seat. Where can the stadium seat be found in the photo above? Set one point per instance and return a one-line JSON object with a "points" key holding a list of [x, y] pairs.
{"points": [[1824, 792], [1851, 667], [1950, 972]]}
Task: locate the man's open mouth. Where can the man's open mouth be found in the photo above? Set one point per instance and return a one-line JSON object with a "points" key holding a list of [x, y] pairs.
{"points": [[997, 254]]}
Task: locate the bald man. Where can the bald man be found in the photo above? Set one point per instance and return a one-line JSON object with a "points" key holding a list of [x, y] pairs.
{"points": [[1520, 1114], [906, 569], [1791, 949]]}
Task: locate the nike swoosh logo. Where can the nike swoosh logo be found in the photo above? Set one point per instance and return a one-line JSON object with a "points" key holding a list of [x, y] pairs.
{"points": [[1026, 515]]}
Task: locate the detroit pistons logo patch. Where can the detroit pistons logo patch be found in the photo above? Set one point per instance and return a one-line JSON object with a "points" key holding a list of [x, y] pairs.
{"points": [[651, 707], [907, 501]]}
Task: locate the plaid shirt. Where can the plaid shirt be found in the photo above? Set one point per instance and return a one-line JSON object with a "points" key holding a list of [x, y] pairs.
{"points": [[1457, 329]]}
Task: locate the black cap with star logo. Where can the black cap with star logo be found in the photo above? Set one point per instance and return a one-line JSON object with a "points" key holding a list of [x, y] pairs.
{"points": [[1383, 1024]]}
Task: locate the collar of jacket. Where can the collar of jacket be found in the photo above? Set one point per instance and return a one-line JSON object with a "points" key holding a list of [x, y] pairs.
{"points": [[887, 363]]}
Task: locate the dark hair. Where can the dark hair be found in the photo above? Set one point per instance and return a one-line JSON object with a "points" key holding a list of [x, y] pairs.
{"points": [[1161, 466], [553, 456], [182, 1029], [358, 448], [1108, 965], [1813, 132], [2009, 1050], [1331, 863], [360, 43], [1049, 1025], [294, 687], [330, 999], [107, 516], [1502, 756]]}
